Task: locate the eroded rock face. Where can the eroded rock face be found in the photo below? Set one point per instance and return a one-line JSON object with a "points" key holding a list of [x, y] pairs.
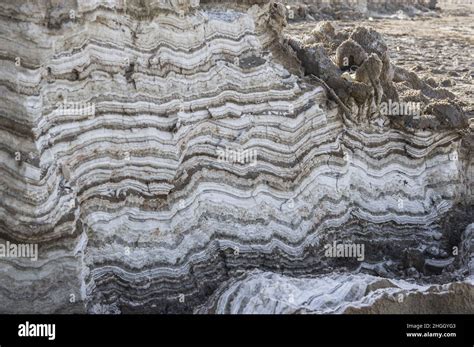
{"points": [[356, 66], [155, 152], [350, 54]]}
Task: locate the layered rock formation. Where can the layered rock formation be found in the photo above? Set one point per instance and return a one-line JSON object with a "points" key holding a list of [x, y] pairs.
{"points": [[270, 293], [170, 156]]}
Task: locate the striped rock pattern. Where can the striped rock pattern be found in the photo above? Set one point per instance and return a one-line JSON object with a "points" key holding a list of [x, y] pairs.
{"points": [[270, 293], [155, 152]]}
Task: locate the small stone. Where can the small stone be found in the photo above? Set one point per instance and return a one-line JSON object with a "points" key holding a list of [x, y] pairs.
{"points": [[412, 272]]}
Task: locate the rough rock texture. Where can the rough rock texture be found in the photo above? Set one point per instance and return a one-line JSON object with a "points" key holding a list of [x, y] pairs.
{"points": [[270, 293], [298, 10], [134, 211], [362, 76]]}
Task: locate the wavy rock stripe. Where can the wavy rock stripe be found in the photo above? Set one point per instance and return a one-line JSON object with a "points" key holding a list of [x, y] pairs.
{"points": [[271, 293]]}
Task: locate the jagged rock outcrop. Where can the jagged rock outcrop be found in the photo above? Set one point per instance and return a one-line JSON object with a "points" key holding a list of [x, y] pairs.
{"points": [[156, 150], [356, 66]]}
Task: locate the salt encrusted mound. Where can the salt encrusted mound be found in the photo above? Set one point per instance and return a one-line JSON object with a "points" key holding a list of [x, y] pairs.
{"points": [[356, 66], [155, 152]]}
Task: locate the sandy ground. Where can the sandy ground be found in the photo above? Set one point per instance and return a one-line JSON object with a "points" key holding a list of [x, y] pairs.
{"points": [[441, 48]]}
